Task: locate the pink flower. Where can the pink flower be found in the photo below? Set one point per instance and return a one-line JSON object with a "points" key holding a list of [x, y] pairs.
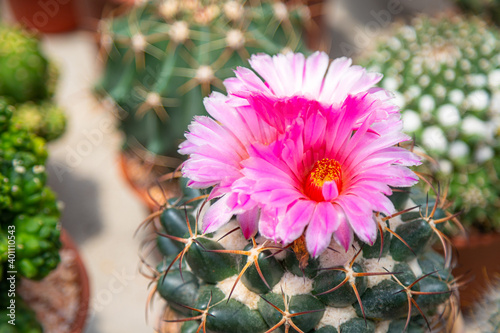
{"points": [[327, 173], [311, 149]]}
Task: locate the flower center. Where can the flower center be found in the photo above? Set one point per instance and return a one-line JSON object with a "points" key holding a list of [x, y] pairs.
{"points": [[325, 170]]}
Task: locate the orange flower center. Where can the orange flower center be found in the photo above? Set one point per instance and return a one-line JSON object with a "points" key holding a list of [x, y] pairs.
{"points": [[325, 170]]}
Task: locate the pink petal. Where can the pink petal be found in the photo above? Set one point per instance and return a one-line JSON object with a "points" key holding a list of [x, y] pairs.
{"points": [[366, 228], [249, 222], [295, 220], [330, 191], [343, 235], [217, 215], [269, 220], [360, 217], [333, 78], [319, 231], [316, 65]]}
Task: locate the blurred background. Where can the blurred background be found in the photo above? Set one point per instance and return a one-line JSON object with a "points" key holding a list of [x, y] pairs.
{"points": [[104, 163]]}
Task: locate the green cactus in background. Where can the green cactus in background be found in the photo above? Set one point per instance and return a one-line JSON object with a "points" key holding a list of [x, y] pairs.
{"points": [[485, 317], [29, 215], [165, 56], [45, 119], [28, 81], [225, 283], [489, 9], [24, 72], [448, 73]]}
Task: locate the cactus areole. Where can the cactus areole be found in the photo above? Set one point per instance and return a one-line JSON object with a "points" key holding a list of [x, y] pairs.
{"points": [[300, 230], [164, 56]]}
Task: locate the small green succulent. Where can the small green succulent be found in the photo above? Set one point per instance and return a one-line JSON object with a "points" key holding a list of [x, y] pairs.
{"points": [[44, 119], [24, 71], [29, 215]]}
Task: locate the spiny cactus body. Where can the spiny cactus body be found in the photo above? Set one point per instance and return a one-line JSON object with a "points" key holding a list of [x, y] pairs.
{"points": [[226, 283], [448, 74], [165, 56]]}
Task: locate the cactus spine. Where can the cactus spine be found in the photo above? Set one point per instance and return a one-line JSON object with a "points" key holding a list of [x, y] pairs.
{"points": [[225, 283], [165, 56]]}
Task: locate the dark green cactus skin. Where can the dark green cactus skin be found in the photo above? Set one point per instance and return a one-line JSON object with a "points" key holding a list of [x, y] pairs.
{"points": [[385, 302], [447, 72], [28, 212], [298, 303], [177, 56]]}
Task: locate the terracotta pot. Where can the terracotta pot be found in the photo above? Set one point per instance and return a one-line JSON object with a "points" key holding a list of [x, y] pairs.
{"points": [[60, 300], [165, 327], [145, 179], [81, 317], [479, 258], [48, 16], [140, 191]]}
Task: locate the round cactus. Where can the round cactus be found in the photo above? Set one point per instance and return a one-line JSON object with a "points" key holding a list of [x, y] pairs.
{"points": [[222, 282], [447, 73], [303, 152], [164, 56], [24, 71], [45, 119]]}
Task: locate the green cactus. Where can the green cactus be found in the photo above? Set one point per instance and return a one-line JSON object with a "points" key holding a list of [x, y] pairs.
{"points": [[165, 56], [45, 119], [448, 73], [225, 283], [485, 316], [28, 80], [490, 9], [26, 202], [29, 215], [24, 72]]}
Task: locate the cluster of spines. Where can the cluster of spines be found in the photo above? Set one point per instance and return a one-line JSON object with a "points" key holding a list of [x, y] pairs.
{"points": [[166, 55], [331, 284], [447, 75]]}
